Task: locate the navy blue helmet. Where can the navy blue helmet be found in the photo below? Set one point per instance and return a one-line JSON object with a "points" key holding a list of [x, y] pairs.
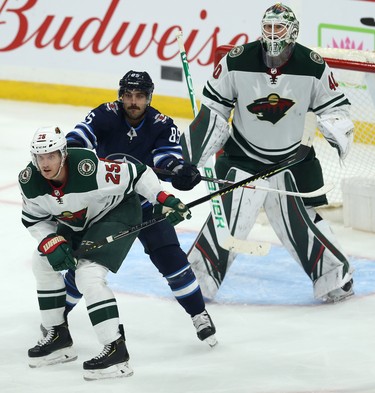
{"points": [[136, 80]]}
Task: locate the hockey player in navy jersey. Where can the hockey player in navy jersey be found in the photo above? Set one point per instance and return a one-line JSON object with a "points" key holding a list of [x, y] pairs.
{"points": [[131, 127]]}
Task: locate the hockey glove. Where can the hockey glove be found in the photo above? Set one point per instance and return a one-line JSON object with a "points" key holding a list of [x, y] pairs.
{"points": [[338, 131], [175, 210], [58, 253], [186, 176]]}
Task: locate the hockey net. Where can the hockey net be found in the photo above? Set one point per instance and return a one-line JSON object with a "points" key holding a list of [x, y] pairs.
{"points": [[354, 71]]}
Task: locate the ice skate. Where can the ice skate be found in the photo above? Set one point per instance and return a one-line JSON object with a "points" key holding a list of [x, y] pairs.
{"points": [[205, 328], [112, 362], [44, 331], [340, 294], [55, 347]]}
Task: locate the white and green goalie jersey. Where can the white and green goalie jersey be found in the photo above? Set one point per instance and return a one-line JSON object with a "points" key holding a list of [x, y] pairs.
{"points": [[94, 187], [269, 104]]}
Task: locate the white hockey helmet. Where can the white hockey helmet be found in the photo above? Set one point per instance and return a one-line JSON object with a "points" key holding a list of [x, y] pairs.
{"points": [[48, 140], [275, 42]]}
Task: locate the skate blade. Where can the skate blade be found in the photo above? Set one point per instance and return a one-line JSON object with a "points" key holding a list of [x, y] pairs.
{"points": [[117, 371], [211, 341], [63, 355], [339, 299]]}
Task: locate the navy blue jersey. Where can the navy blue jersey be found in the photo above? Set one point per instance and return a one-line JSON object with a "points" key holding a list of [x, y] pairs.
{"points": [[154, 142]]}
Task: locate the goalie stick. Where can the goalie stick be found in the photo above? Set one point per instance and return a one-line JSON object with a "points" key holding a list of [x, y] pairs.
{"points": [[299, 156], [224, 237], [311, 194]]}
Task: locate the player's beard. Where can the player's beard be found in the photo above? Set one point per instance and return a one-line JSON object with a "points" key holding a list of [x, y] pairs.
{"points": [[138, 115]]}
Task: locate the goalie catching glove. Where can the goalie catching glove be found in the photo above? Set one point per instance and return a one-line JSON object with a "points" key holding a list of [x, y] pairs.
{"points": [[338, 131], [58, 252], [175, 210]]}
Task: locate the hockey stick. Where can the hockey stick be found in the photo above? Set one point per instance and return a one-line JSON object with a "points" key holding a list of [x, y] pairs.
{"points": [[311, 194], [301, 154], [88, 245], [188, 78], [224, 237]]}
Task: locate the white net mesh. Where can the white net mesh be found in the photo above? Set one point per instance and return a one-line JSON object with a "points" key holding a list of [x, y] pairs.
{"points": [[359, 87]]}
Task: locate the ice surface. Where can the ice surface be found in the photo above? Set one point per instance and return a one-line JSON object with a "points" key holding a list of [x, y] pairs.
{"points": [[274, 338]]}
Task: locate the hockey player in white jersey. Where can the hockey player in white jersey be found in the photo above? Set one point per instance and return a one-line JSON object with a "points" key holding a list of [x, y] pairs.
{"points": [[268, 86], [71, 198]]}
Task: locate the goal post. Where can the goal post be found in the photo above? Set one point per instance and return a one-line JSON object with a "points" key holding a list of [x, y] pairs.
{"points": [[355, 73]]}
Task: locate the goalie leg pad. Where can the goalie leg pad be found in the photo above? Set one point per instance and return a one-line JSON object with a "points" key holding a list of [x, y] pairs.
{"points": [[307, 238], [242, 206], [209, 261], [329, 287]]}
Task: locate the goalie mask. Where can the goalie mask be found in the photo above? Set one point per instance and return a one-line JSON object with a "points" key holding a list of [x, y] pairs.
{"points": [[280, 29], [136, 80], [48, 140]]}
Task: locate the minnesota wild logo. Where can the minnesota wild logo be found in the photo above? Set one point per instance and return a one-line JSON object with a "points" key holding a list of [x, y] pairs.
{"points": [[77, 219], [25, 175], [236, 51], [316, 57], [86, 167], [271, 108]]}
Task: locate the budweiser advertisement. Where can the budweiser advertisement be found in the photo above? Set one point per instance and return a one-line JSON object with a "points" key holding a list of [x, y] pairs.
{"points": [[94, 42]]}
